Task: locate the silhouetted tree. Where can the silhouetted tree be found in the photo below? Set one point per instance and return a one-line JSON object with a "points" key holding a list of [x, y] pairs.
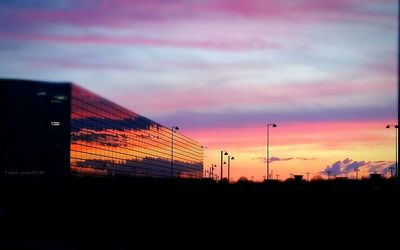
{"points": [[224, 180], [316, 178], [243, 179]]}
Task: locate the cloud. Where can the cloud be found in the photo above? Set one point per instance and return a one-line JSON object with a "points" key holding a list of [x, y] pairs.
{"points": [[63, 21], [305, 159], [285, 94], [273, 158], [238, 118], [348, 166], [230, 45], [127, 12], [347, 160]]}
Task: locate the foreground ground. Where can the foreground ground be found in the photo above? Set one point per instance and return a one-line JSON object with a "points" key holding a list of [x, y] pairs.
{"points": [[123, 213]]}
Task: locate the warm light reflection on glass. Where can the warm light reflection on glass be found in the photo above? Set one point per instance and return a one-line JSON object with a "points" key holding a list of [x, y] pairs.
{"points": [[107, 139]]}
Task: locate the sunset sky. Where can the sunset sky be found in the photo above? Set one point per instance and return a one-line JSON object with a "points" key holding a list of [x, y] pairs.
{"points": [[324, 71]]}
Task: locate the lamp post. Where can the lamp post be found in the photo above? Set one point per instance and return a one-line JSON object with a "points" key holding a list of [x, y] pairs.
{"points": [[329, 174], [308, 176], [172, 150], [222, 163], [274, 126], [212, 171], [395, 126], [229, 166], [356, 170], [391, 171]]}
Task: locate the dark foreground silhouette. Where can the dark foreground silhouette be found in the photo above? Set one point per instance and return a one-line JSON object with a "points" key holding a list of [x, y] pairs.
{"points": [[120, 213]]}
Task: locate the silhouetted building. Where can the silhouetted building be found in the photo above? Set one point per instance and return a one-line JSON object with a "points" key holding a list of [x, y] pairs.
{"points": [[298, 177], [60, 128], [375, 176]]}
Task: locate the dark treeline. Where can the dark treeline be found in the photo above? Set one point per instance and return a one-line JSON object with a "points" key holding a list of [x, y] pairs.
{"points": [[124, 213]]}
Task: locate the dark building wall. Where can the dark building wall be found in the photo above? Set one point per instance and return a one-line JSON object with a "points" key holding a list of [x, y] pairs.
{"points": [[35, 125], [107, 139]]}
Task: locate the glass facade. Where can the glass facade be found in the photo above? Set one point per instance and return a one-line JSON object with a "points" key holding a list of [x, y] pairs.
{"points": [[56, 129], [107, 139]]}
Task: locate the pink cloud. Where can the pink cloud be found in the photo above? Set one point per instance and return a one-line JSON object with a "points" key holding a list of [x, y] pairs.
{"points": [[202, 97], [123, 13], [37, 24], [306, 10], [319, 134], [236, 45], [334, 135]]}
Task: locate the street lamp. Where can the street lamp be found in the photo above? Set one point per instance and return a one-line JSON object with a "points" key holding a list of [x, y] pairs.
{"points": [[229, 166], [391, 171], [212, 170], [396, 128], [357, 170], [222, 163], [308, 176], [329, 174], [172, 150], [274, 126]]}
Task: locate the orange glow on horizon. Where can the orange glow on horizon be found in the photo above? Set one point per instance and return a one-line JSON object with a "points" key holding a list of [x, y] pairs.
{"points": [[312, 147]]}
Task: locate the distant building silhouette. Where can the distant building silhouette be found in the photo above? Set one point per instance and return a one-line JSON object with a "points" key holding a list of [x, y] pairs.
{"points": [[298, 177], [375, 176], [60, 129]]}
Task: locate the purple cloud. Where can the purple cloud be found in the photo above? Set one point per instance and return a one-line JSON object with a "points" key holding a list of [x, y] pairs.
{"points": [[274, 158], [241, 119], [125, 12], [348, 166]]}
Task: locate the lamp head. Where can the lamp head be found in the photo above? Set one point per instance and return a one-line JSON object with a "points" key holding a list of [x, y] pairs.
{"points": [[396, 126], [274, 125], [387, 126], [232, 158], [226, 153]]}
